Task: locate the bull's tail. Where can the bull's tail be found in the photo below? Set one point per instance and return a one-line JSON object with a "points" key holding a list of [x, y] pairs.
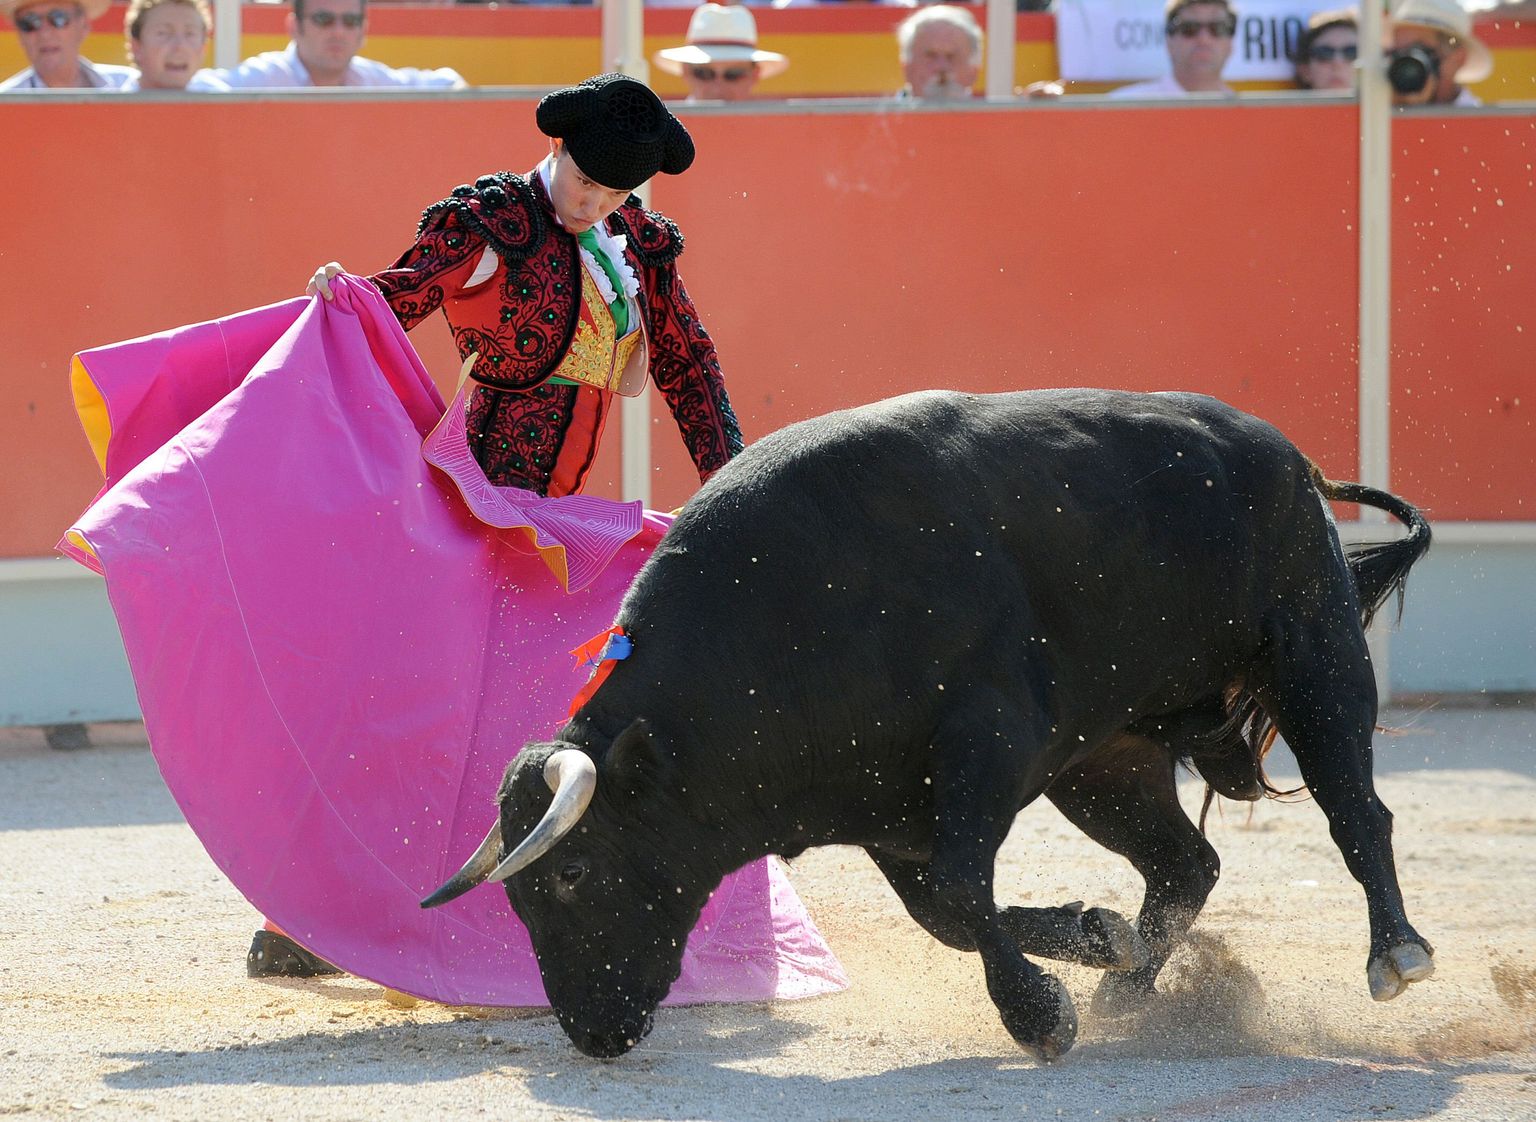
{"points": [[1380, 569]]}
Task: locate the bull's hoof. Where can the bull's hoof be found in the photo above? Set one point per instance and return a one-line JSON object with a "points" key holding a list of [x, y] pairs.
{"points": [[1121, 994], [1023, 1024], [1112, 942], [1392, 971]]}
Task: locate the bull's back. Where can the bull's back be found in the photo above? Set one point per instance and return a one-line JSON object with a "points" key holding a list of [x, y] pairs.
{"points": [[933, 534], [1075, 467]]}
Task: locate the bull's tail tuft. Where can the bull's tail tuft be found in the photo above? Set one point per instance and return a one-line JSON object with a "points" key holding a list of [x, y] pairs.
{"points": [[1380, 569]]}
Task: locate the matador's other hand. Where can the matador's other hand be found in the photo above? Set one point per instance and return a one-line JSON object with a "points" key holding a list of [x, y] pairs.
{"points": [[321, 281]]}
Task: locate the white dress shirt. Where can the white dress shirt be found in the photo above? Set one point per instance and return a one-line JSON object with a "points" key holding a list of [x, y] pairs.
{"points": [[100, 75], [276, 69], [201, 82]]}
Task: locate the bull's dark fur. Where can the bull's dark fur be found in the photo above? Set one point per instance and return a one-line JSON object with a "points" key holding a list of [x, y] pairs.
{"points": [[895, 626]]}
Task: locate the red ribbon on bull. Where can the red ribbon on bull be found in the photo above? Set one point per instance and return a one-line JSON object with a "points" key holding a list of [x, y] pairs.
{"points": [[600, 652]]}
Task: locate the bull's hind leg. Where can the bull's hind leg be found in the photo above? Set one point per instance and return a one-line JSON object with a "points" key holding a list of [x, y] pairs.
{"points": [[1094, 937], [977, 789], [1132, 808], [1321, 692]]}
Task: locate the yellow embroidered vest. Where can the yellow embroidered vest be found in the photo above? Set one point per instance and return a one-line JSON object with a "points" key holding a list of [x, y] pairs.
{"points": [[597, 357]]}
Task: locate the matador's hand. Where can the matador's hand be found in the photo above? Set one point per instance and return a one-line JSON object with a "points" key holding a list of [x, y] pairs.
{"points": [[321, 281]]}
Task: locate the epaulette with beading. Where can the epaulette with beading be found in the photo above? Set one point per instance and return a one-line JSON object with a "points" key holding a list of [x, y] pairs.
{"points": [[654, 237], [500, 208]]}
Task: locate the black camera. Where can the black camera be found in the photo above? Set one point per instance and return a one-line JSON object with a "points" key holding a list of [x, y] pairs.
{"points": [[1410, 69]]}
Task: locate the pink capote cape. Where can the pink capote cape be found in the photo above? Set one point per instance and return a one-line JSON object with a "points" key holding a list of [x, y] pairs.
{"points": [[336, 658]]}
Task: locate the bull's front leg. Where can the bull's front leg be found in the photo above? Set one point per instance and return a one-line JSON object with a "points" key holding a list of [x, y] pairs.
{"points": [[976, 785], [1131, 807], [1094, 937]]}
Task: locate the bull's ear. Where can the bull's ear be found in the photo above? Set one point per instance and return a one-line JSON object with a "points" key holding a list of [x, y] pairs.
{"points": [[634, 761]]}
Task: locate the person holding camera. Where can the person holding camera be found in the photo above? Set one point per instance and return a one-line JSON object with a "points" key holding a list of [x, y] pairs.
{"points": [[1433, 52]]}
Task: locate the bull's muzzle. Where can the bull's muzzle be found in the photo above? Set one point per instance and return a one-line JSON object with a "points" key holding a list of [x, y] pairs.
{"points": [[572, 776]]}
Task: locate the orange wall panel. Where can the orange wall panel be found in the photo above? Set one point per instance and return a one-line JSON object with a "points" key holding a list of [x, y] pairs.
{"points": [[1464, 322], [862, 255]]}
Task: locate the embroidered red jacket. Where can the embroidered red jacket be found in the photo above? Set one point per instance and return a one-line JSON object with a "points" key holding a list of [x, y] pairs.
{"points": [[523, 429]]}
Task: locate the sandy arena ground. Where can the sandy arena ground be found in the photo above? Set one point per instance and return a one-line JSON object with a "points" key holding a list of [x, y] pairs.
{"points": [[124, 990]]}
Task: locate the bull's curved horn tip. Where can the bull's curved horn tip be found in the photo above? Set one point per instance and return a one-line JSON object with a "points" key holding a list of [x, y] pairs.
{"points": [[447, 892]]}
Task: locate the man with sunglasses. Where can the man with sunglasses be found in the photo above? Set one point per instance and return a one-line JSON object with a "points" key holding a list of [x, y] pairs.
{"points": [[720, 59], [52, 33], [1327, 50], [1198, 35], [325, 38]]}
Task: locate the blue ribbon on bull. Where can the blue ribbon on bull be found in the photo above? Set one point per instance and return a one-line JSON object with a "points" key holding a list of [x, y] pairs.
{"points": [[600, 652]]}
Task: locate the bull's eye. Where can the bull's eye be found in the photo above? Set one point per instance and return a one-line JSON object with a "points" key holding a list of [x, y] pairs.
{"points": [[571, 873]]}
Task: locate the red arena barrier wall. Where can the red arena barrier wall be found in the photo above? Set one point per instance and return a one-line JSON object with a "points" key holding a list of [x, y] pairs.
{"points": [[838, 256], [1464, 315]]}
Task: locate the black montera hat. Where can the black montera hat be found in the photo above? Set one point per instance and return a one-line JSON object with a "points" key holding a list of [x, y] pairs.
{"points": [[617, 130]]}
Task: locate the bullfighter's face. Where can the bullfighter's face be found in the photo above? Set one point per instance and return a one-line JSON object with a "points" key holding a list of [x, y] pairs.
{"points": [[607, 914], [580, 201]]}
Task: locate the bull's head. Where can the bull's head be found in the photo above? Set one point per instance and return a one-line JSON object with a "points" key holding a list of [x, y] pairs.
{"points": [[586, 869]]}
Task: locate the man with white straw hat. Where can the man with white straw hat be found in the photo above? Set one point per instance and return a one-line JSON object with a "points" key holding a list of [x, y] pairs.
{"points": [[1442, 29], [52, 33], [721, 60]]}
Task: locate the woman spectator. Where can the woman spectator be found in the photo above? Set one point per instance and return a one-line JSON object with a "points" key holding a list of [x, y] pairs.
{"points": [[1326, 51], [167, 40]]}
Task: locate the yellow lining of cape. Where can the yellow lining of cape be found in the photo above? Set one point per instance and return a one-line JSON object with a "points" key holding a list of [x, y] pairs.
{"points": [[76, 539], [553, 556], [92, 410]]}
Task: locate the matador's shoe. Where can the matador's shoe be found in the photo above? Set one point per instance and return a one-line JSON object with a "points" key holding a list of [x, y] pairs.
{"points": [[274, 955]]}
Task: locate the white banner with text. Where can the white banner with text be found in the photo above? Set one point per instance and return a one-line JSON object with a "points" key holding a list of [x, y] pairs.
{"points": [[1121, 40]]}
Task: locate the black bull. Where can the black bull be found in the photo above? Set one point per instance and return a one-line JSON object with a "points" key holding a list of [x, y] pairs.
{"points": [[896, 626]]}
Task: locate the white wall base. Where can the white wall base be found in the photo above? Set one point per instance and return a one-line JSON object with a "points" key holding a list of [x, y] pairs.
{"points": [[1468, 627]]}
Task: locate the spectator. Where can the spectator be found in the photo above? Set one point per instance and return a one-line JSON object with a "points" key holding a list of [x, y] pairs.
{"points": [[52, 33], [1441, 29], [167, 40], [824, 3], [325, 38], [720, 60], [940, 49], [1326, 51], [1198, 36]]}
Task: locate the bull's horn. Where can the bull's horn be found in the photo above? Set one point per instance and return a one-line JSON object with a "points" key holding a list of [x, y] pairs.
{"points": [[474, 872], [572, 776]]}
